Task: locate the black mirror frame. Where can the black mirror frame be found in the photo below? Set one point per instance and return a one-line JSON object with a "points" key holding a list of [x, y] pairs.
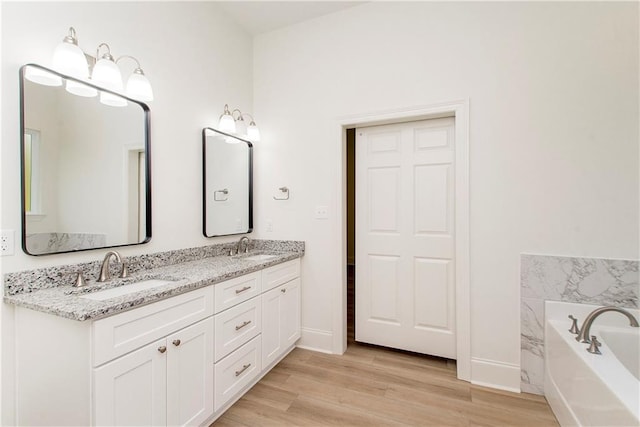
{"points": [[204, 183], [147, 147]]}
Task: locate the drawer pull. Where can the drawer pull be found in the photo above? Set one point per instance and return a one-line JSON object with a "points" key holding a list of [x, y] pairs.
{"points": [[162, 349], [245, 323], [244, 368], [283, 290], [176, 342], [239, 291]]}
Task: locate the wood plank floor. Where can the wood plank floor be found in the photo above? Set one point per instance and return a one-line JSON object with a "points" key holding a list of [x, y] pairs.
{"points": [[377, 386]]}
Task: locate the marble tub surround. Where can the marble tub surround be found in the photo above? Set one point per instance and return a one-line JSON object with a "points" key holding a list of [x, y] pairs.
{"points": [[64, 275], [66, 301], [594, 281]]}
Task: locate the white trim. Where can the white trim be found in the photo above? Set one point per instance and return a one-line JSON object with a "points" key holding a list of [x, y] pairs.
{"points": [[460, 110], [494, 374], [315, 339]]}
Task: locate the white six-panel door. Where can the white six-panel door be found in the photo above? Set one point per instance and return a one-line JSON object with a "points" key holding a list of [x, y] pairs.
{"points": [[405, 284]]}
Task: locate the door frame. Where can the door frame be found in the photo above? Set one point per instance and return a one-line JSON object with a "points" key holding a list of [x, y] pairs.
{"points": [[458, 109]]}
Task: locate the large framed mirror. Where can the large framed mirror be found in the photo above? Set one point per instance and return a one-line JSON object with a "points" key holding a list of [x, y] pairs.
{"points": [[227, 184], [85, 165]]}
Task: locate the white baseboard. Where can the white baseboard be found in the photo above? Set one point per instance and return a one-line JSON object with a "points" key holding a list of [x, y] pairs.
{"points": [[316, 340], [494, 374]]}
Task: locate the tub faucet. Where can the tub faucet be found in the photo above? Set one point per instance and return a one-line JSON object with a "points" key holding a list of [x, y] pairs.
{"points": [[583, 336], [104, 269]]}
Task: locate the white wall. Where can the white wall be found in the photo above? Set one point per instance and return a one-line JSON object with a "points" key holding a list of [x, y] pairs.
{"points": [[197, 60], [553, 93]]}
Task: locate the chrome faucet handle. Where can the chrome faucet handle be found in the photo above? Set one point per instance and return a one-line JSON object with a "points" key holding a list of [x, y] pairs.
{"points": [[574, 325], [124, 273], [594, 347], [80, 281]]}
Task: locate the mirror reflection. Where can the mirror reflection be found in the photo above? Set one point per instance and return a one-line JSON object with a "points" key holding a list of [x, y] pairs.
{"points": [[85, 168], [227, 184]]}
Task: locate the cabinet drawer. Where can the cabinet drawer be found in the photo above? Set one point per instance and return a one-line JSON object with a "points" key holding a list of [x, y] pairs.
{"points": [[237, 290], [121, 333], [279, 274], [236, 326], [236, 371]]}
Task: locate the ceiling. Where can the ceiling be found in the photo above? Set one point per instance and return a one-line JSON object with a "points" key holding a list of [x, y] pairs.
{"points": [[258, 17]]}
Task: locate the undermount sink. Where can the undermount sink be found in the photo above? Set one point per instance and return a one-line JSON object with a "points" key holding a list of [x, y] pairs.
{"points": [[126, 289], [259, 257]]}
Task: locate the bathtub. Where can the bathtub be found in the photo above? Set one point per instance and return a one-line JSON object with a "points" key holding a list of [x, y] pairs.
{"points": [[585, 389]]}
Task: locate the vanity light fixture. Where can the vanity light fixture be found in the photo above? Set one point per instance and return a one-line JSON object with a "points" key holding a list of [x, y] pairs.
{"points": [[70, 60], [236, 124], [138, 86], [227, 123], [107, 74]]}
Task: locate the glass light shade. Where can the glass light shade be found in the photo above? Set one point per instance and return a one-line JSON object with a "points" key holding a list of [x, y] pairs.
{"points": [[227, 124], [241, 128], [112, 100], [138, 87], [253, 133], [69, 59], [107, 74], [42, 77], [80, 89]]}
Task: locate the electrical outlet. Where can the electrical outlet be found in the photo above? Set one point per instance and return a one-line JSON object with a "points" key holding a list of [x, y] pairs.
{"points": [[269, 225], [6, 242], [322, 212]]}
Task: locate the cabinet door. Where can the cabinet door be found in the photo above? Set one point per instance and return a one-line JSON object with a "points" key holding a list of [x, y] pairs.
{"points": [[190, 374], [131, 390], [290, 313], [271, 329], [280, 320]]}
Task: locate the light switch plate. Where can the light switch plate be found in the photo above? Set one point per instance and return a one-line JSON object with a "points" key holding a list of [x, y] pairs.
{"points": [[6, 242], [322, 212]]}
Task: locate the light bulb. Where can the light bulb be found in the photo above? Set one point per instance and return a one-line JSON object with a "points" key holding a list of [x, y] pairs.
{"points": [[138, 86], [69, 59], [112, 100], [42, 77], [241, 128], [253, 133], [227, 124], [107, 74], [80, 89]]}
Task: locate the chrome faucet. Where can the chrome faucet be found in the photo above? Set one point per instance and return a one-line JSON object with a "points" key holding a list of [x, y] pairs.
{"points": [[246, 247], [583, 336], [104, 269]]}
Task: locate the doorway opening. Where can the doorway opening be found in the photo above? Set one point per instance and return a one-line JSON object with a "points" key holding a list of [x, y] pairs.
{"points": [[459, 112]]}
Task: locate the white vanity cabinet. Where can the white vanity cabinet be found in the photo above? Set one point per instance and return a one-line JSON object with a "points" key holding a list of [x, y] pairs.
{"points": [[247, 331], [168, 382], [280, 320], [179, 361]]}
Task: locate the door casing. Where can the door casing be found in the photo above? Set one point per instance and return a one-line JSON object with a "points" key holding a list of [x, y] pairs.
{"points": [[458, 109]]}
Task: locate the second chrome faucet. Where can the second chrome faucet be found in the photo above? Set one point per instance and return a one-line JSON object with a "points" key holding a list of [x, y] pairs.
{"points": [[104, 268]]}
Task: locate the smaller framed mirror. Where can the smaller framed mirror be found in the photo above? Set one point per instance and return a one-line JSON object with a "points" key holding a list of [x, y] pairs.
{"points": [[227, 184]]}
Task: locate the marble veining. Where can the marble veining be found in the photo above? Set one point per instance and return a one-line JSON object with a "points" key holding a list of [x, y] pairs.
{"points": [[65, 301], [580, 280], [44, 243]]}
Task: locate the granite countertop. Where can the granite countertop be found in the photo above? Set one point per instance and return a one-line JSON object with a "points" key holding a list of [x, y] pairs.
{"points": [[66, 301]]}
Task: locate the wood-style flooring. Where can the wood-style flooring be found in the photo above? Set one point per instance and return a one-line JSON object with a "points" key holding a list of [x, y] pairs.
{"points": [[375, 386]]}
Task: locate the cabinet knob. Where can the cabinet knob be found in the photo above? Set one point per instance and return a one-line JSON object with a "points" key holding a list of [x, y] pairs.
{"points": [[176, 342], [283, 290], [162, 349]]}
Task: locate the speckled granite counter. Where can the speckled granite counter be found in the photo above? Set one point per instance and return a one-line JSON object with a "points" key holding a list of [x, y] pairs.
{"points": [[66, 301]]}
